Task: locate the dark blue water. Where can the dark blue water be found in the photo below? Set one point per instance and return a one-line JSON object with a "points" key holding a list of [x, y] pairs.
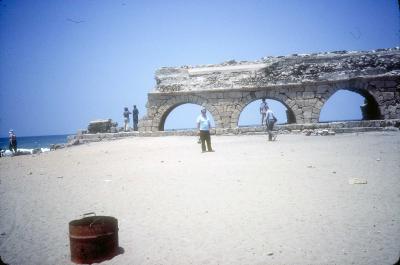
{"points": [[31, 142]]}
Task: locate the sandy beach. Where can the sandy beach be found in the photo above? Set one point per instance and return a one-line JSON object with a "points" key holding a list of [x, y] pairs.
{"points": [[250, 202]]}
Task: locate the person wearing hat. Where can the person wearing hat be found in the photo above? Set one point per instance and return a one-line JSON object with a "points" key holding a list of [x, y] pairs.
{"points": [[204, 126], [12, 138]]}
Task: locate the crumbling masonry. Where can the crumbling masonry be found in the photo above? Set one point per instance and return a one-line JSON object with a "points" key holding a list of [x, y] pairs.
{"points": [[301, 82]]}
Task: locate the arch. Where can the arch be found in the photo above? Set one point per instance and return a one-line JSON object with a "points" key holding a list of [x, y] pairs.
{"points": [[171, 104], [369, 111], [283, 99], [167, 113], [250, 115]]}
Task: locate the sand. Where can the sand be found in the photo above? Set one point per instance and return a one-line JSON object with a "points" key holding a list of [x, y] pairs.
{"points": [[250, 202]]}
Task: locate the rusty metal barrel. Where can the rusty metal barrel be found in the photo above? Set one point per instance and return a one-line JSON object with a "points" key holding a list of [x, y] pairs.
{"points": [[93, 239]]}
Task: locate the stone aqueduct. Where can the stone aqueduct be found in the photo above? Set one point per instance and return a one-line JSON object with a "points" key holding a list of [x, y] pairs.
{"points": [[302, 82]]}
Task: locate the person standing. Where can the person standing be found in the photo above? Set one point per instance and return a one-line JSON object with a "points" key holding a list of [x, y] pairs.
{"points": [[135, 118], [204, 126], [126, 118], [270, 121], [12, 138], [263, 110]]}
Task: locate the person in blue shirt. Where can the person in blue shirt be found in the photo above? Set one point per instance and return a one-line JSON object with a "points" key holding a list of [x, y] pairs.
{"points": [[204, 126]]}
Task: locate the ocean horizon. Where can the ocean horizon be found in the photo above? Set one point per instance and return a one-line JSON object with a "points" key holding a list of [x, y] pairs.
{"points": [[33, 142]]}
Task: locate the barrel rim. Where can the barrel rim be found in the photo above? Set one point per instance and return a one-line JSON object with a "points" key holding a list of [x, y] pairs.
{"points": [[86, 221]]}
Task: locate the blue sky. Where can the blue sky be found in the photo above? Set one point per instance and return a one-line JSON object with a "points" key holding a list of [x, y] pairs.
{"points": [[64, 63]]}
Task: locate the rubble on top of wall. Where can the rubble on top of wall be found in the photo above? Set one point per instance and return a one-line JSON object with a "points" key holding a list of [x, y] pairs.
{"points": [[291, 69]]}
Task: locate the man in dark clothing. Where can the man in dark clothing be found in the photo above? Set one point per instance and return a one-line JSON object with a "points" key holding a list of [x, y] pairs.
{"points": [[135, 117], [12, 138], [270, 121]]}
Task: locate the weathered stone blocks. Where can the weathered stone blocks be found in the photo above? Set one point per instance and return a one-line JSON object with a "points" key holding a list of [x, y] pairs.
{"points": [[303, 84], [387, 95], [101, 126]]}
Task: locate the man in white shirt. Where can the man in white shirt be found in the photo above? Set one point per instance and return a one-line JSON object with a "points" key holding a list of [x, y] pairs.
{"points": [[204, 126], [263, 110]]}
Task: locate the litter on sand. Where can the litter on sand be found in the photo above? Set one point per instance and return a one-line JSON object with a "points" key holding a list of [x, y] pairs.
{"points": [[357, 181]]}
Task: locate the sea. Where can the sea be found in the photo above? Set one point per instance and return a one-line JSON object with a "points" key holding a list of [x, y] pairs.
{"points": [[35, 142]]}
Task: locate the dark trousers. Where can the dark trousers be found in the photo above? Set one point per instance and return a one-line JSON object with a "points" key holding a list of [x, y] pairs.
{"points": [[13, 146], [135, 123], [205, 137], [270, 127]]}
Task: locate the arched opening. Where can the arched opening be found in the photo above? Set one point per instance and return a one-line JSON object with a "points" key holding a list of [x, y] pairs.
{"points": [[350, 105], [250, 115], [182, 117]]}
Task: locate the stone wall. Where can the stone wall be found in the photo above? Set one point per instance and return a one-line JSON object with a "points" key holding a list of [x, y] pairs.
{"points": [[335, 127], [302, 83]]}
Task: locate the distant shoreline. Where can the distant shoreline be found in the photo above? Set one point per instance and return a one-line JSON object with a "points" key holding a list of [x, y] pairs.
{"points": [[32, 142]]}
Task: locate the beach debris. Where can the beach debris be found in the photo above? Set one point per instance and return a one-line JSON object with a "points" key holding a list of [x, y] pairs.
{"points": [[333, 172], [325, 132], [30, 173], [162, 161], [56, 146], [270, 254], [378, 159], [353, 181], [36, 151], [74, 141], [310, 166], [8, 153], [23, 152]]}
